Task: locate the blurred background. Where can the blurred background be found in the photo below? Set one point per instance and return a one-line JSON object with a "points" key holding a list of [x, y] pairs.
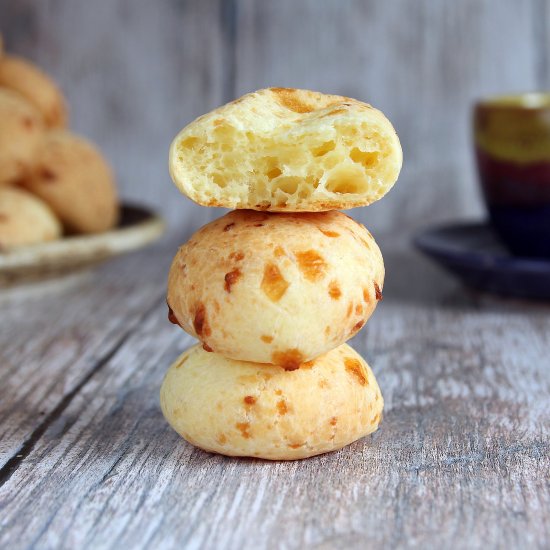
{"points": [[135, 72]]}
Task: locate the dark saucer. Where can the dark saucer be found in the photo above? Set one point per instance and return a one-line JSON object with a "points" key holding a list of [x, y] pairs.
{"points": [[472, 252]]}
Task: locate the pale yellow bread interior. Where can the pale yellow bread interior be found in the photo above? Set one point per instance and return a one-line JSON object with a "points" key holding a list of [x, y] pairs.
{"points": [[239, 408], [283, 149]]}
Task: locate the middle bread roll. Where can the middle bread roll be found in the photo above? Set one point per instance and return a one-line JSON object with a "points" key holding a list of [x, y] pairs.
{"points": [[276, 288]]}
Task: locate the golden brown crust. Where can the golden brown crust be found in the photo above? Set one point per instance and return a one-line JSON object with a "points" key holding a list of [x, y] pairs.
{"points": [[25, 219], [74, 179], [244, 409], [36, 87], [263, 287], [21, 132]]}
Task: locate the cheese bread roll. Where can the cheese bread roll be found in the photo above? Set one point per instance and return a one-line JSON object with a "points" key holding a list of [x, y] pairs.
{"points": [[276, 288], [72, 176], [36, 87], [244, 409], [283, 149], [25, 219]]}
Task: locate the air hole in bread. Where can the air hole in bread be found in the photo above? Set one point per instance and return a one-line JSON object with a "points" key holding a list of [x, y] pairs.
{"points": [[273, 173], [190, 143], [368, 160], [323, 149], [219, 180], [346, 181], [287, 185]]}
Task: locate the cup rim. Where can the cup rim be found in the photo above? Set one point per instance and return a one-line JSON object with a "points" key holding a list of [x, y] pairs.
{"points": [[528, 101]]}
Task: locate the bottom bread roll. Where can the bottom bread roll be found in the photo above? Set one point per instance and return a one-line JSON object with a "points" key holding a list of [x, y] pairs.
{"points": [[238, 408]]}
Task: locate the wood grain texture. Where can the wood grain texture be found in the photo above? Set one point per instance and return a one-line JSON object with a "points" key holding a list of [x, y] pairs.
{"points": [[461, 459]]}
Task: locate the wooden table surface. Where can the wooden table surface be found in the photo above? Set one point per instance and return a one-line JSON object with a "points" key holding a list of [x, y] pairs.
{"points": [[461, 459]]}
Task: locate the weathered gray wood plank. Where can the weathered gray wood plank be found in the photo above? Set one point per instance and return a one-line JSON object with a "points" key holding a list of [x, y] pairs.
{"points": [[50, 345], [461, 460]]}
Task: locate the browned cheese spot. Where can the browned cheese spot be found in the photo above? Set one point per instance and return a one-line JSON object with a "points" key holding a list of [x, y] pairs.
{"points": [[281, 407], [358, 326], [278, 252], [323, 383], [48, 175], [278, 392], [333, 421], [273, 284], [332, 234], [358, 309], [4, 217], [217, 306], [296, 445], [334, 290], [172, 316], [366, 295], [231, 278], [350, 310], [244, 428], [206, 347], [267, 339], [311, 264], [377, 291], [218, 122], [327, 330], [288, 97], [308, 364], [249, 400], [221, 439], [366, 243], [229, 226], [354, 367], [28, 123], [290, 359], [258, 225], [200, 323], [238, 256]]}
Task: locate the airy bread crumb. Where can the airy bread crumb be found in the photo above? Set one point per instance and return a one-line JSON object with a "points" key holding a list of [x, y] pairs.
{"points": [[282, 149]]}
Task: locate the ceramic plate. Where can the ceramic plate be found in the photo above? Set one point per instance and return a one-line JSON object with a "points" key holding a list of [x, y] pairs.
{"points": [[138, 227], [472, 252]]}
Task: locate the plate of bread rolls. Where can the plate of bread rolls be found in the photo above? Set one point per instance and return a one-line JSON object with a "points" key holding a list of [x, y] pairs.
{"points": [[59, 208], [274, 289]]}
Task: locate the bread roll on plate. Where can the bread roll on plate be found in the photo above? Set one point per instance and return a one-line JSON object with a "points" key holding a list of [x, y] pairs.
{"points": [[25, 219], [244, 409], [21, 132], [72, 176], [283, 149], [36, 87], [276, 288]]}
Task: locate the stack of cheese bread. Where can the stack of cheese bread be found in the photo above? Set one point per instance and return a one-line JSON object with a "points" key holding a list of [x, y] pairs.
{"points": [[51, 180], [275, 288]]}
